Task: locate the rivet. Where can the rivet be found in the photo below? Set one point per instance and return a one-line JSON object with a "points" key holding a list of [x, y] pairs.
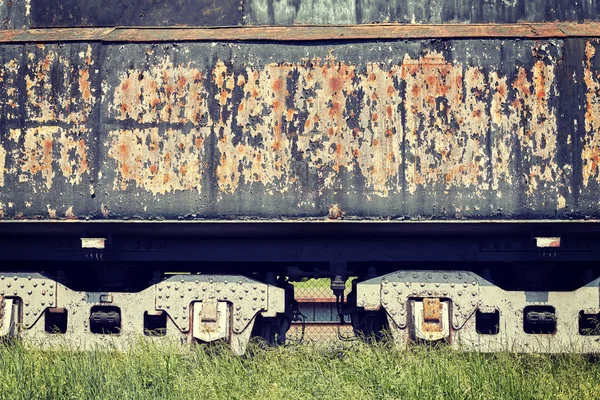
{"points": [[422, 284], [474, 283], [429, 276], [15, 277], [415, 276]]}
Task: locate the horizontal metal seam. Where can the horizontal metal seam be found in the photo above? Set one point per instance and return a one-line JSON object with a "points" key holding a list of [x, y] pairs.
{"points": [[302, 33]]}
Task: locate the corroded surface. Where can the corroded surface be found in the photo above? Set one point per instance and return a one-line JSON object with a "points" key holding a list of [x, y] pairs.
{"points": [[412, 129], [45, 13]]}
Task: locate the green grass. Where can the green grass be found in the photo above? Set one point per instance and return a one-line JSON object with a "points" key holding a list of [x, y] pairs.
{"points": [[355, 371]]}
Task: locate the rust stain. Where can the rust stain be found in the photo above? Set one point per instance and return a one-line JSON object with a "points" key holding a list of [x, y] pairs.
{"points": [[157, 162], [2, 164], [335, 118], [164, 93], [326, 141], [262, 113], [37, 155], [446, 123], [528, 121], [432, 315], [48, 75], [591, 149], [335, 212]]}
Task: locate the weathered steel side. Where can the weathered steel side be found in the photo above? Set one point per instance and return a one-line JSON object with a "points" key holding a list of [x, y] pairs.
{"points": [[71, 13], [442, 129]]}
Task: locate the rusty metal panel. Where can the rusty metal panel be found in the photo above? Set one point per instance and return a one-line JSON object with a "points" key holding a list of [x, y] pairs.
{"points": [[72, 13], [48, 129], [14, 14], [79, 13], [451, 129], [288, 12], [408, 129]]}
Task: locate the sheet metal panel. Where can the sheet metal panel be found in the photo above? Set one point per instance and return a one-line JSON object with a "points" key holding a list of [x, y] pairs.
{"points": [[78, 13], [416, 129]]}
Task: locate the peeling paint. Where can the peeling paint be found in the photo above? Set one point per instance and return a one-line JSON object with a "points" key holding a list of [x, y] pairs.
{"points": [[446, 123], [2, 165], [261, 114], [37, 156], [159, 163], [591, 149], [163, 93], [48, 74]]}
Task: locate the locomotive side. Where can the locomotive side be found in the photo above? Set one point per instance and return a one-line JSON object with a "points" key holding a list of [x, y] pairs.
{"points": [[172, 178]]}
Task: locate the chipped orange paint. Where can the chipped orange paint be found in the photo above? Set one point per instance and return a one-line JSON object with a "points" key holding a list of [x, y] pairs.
{"points": [[528, 121], [164, 93], [446, 124], [158, 162], [46, 104], [591, 149], [262, 112], [36, 157]]}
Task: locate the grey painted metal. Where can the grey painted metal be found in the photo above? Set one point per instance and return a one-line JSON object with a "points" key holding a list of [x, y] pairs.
{"points": [[177, 296], [43, 13], [467, 293]]}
